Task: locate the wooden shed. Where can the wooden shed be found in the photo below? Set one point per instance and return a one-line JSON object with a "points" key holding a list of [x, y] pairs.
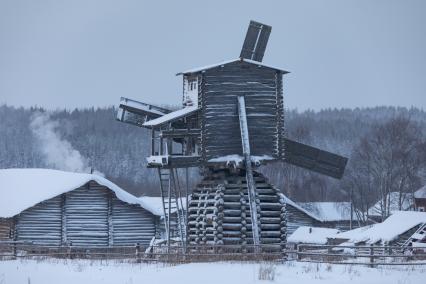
{"points": [[335, 215], [297, 216], [420, 199], [50, 207]]}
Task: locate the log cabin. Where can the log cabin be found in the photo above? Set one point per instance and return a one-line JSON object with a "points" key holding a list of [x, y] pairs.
{"points": [[56, 208], [335, 215], [297, 216]]}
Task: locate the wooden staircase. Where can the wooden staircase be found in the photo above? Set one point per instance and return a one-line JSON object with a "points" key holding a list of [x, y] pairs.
{"points": [[418, 236], [174, 217]]}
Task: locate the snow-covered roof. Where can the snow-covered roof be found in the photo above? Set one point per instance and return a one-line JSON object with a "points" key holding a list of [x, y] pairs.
{"points": [[155, 204], [143, 106], [312, 235], [421, 193], [295, 205], [23, 188], [329, 211], [171, 116], [204, 68], [393, 198], [398, 223]]}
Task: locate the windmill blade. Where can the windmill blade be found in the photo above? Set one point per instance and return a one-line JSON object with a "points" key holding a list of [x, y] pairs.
{"points": [[137, 113], [255, 42], [314, 159]]}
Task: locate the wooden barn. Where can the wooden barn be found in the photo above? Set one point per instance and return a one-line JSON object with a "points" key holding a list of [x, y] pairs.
{"points": [[297, 216], [335, 215], [56, 208]]}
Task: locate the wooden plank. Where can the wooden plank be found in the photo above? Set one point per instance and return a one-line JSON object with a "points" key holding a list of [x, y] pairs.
{"points": [[180, 133], [249, 172]]}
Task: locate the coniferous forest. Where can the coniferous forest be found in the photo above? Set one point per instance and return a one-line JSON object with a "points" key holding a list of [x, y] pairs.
{"points": [[386, 147]]}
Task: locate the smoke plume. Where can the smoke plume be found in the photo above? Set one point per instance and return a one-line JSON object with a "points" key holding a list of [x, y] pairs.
{"points": [[57, 151]]}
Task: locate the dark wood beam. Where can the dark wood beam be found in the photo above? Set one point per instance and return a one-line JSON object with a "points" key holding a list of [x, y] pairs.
{"points": [[180, 133]]}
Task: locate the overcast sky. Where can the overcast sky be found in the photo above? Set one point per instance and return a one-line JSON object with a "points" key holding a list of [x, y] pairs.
{"points": [[67, 54]]}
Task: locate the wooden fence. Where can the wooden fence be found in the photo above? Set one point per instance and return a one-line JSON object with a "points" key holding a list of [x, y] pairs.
{"points": [[138, 253], [370, 255]]}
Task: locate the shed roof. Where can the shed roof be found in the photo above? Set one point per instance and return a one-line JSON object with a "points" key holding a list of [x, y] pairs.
{"points": [[172, 116], [22, 188], [398, 223], [329, 211], [204, 68], [154, 204], [312, 235], [298, 207], [421, 193]]}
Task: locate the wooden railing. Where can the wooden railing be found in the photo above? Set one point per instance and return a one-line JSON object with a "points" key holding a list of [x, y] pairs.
{"points": [[204, 253], [370, 255]]}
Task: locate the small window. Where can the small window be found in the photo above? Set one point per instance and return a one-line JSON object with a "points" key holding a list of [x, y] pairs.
{"points": [[192, 85]]}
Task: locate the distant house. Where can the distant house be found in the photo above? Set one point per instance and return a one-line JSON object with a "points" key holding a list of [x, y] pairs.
{"points": [[394, 201], [335, 215], [297, 216], [402, 228], [420, 199], [50, 207]]}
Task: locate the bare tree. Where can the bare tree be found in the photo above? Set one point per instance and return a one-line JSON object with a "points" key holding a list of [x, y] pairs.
{"points": [[387, 159]]}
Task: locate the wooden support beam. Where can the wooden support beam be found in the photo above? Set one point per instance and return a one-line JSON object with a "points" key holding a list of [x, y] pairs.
{"points": [[180, 133], [249, 171], [179, 162]]}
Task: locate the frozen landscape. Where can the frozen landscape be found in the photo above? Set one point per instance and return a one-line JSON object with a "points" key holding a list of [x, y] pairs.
{"points": [[300, 159], [71, 271]]}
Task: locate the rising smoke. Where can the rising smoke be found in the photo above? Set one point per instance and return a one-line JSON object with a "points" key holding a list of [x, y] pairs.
{"points": [[57, 151]]}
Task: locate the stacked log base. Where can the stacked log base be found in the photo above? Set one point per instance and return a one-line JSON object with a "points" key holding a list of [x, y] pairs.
{"points": [[219, 213]]}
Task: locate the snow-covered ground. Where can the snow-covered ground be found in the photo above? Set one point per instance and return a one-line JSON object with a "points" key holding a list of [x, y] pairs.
{"points": [[94, 272]]}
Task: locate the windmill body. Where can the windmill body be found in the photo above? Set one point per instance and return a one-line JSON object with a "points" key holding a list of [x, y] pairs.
{"points": [[232, 121]]}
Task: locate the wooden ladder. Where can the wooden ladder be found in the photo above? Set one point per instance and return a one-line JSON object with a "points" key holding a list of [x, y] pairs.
{"points": [[251, 187], [419, 235], [173, 214]]}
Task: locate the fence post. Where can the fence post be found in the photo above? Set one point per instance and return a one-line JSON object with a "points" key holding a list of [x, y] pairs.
{"points": [[69, 250], [299, 250], [14, 250], [371, 255], [138, 253]]}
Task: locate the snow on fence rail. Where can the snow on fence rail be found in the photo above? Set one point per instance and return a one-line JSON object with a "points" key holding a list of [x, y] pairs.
{"points": [[205, 253], [370, 255]]}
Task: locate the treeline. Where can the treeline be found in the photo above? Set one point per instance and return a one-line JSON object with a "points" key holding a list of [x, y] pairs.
{"points": [[385, 146]]}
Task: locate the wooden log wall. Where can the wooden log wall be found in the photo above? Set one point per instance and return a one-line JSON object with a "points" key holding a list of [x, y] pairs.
{"points": [[131, 224], [6, 229], [88, 216], [297, 218], [262, 89], [41, 223], [219, 212]]}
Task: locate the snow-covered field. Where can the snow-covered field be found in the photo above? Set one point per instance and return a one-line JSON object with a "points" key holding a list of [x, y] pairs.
{"points": [[94, 272]]}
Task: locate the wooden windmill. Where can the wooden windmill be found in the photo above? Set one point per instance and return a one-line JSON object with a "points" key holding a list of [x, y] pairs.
{"points": [[232, 121]]}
